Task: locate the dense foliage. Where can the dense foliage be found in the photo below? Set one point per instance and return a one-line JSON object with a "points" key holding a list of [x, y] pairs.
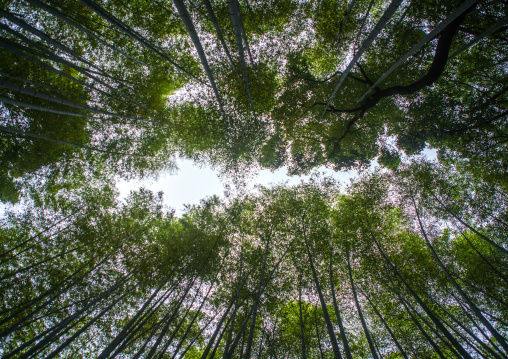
{"points": [[410, 260]]}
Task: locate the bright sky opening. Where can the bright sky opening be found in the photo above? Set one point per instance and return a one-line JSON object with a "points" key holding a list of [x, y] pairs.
{"points": [[192, 183]]}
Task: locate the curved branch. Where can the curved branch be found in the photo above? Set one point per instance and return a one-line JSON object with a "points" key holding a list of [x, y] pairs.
{"points": [[332, 109], [436, 69]]}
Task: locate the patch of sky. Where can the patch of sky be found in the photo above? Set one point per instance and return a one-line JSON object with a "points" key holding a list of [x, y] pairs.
{"points": [[192, 183]]}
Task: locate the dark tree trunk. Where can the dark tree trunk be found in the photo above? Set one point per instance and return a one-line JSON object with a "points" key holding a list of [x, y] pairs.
{"points": [[487, 239], [401, 350], [234, 12], [61, 16], [427, 310], [134, 35], [302, 333], [184, 15], [464, 296], [328, 321], [359, 309], [256, 302], [20, 323], [215, 23], [337, 314]]}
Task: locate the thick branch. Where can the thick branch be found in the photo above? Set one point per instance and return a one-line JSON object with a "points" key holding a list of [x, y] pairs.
{"points": [[346, 132], [332, 109], [364, 74], [436, 69]]}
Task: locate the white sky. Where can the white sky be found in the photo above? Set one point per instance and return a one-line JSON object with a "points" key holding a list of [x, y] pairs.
{"points": [[191, 183]]}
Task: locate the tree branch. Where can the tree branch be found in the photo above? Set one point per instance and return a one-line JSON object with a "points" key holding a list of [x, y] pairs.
{"points": [[339, 139], [332, 109], [366, 82], [436, 69], [364, 74]]}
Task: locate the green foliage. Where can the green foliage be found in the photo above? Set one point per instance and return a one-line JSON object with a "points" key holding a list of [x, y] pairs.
{"points": [[279, 229], [389, 159], [97, 91]]}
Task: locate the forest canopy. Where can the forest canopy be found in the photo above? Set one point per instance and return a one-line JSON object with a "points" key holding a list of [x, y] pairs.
{"points": [[408, 261]]}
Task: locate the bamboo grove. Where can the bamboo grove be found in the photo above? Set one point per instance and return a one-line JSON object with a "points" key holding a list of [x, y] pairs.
{"points": [[408, 261]]}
